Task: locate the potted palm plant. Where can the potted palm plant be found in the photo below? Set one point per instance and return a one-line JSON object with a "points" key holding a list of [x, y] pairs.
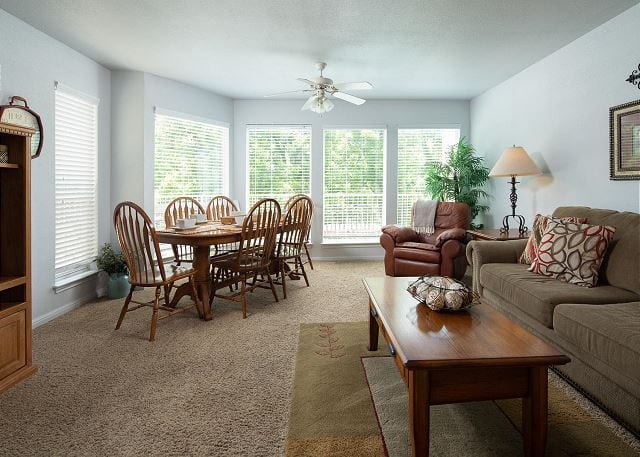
{"points": [[460, 179], [113, 263]]}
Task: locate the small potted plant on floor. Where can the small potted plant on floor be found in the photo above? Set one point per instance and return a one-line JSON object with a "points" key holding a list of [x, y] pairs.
{"points": [[113, 263]]}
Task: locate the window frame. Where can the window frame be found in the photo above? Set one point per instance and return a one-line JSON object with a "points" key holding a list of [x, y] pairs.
{"points": [[400, 127], [71, 275], [385, 166], [226, 153], [247, 184]]}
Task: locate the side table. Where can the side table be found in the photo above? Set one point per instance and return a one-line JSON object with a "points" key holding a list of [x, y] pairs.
{"points": [[495, 235]]}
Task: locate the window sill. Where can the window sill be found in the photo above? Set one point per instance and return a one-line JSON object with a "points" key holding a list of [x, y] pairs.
{"points": [[69, 282]]}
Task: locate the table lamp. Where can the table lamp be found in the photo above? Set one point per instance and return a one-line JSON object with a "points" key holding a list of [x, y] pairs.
{"points": [[513, 162]]}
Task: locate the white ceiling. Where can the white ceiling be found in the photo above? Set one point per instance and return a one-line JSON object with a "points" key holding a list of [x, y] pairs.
{"points": [[248, 48]]}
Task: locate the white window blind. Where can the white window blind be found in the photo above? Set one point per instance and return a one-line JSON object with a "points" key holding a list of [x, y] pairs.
{"points": [[416, 148], [279, 162], [354, 165], [76, 182], [191, 159]]}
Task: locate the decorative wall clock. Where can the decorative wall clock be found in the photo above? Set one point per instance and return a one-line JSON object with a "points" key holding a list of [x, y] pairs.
{"points": [[24, 116]]}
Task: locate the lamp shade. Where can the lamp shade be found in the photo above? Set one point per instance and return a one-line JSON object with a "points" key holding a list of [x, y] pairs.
{"points": [[514, 161]]}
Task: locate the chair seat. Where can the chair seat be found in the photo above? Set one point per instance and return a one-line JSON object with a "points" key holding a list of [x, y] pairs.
{"points": [[420, 252], [173, 273], [230, 262]]}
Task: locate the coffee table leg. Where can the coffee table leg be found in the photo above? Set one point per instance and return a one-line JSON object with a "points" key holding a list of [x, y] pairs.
{"points": [[534, 414], [418, 384], [202, 264], [373, 329]]}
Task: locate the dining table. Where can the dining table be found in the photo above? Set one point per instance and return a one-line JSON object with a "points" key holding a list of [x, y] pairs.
{"points": [[200, 238]]}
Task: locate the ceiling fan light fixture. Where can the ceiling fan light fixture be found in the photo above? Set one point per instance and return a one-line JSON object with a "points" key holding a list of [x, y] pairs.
{"points": [[322, 105]]}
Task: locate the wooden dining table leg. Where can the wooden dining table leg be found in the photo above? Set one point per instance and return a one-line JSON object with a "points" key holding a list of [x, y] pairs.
{"points": [[202, 265]]}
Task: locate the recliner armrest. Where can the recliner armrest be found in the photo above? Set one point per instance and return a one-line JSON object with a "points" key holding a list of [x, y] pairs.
{"points": [[400, 234], [451, 234]]}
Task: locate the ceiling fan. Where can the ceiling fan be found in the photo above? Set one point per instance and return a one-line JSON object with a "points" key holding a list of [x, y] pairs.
{"points": [[322, 87]]}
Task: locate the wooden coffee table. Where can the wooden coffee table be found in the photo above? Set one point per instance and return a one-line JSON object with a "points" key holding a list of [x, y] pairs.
{"points": [[473, 355]]}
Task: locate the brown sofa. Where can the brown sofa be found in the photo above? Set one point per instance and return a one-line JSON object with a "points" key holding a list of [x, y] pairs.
{"points": [[599, 328], [408, 253]]}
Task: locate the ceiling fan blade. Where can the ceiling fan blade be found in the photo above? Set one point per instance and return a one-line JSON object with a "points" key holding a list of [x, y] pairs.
{"points": [[288, 92], [308, 103], [362, 85], [305, 80], [349, 98]]}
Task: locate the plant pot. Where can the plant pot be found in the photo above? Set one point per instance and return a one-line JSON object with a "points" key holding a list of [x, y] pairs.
{"points": [[118, 285]]}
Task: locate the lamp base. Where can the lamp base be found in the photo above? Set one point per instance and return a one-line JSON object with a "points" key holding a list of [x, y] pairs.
{"points": [[522, 229]]}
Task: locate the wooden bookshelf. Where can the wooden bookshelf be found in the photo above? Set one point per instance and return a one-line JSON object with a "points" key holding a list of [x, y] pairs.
{"points": [[15, 257]]}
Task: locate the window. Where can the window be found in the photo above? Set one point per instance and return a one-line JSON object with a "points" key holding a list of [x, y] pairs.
{"points": [[76, 182], [417, 148], [354, 166], [279, 161], [191, 159]]}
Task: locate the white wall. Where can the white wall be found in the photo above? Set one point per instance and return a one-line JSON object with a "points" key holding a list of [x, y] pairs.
{"points": [[389, 113], [558, 109], [135, 95], [31, 61]]}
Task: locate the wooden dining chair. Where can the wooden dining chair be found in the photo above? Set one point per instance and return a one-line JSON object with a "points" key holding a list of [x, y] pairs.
{"points": [[294, 228], [254, 255], [139, 243], [220, 206], [180, 208], [306, 238]]}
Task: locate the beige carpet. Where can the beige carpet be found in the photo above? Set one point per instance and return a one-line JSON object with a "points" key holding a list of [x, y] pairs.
{"points": [[487, 428], [219, 388], [216, 388], [349, 402]]}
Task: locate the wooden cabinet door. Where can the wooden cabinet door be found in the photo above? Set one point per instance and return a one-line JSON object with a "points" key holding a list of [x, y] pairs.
{"points": [[12, 343]]}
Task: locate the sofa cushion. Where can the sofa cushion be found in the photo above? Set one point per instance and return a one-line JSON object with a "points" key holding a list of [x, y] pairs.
{"points": [[421, 252], [537, 296], [610, 333], [621, 266]]}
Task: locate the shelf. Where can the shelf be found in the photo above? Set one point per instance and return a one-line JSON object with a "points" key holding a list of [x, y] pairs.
{"points": [[9, 165], [7, 282], [9, 305]]}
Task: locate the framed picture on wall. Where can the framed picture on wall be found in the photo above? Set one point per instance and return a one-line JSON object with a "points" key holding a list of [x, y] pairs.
{"points": [[624, 130]]}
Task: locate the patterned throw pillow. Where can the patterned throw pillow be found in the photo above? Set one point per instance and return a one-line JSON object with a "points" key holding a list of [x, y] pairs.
{"points": [[572, 252], [539, 226]]}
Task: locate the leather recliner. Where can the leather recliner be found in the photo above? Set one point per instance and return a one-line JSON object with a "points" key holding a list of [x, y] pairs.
{"points": [[408, 253]]}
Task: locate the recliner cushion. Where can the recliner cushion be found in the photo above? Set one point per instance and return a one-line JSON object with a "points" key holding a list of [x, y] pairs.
{"points": [[420, 252], [610, 333], [537, 296]]}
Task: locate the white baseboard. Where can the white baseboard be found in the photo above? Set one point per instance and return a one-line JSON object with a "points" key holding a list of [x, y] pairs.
{"points": [[347, 258], [38, 321]]}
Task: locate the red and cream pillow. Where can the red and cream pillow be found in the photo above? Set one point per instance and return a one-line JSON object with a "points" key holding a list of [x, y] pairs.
{"points": [[572, 252], [539, 226]]}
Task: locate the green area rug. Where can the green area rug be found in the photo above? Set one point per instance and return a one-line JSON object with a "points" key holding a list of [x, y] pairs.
{"points": [[348, 401]]}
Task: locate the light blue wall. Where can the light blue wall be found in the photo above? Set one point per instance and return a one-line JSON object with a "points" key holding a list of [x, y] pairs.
{"points": [[558, 109], [30, 63]]}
